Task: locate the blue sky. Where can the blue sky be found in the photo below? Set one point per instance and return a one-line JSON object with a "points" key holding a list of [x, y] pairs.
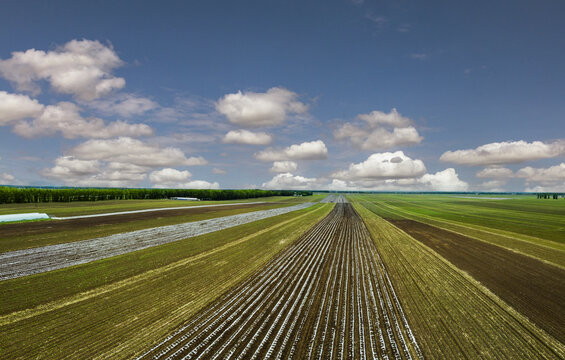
{"points": [[361, 95]]}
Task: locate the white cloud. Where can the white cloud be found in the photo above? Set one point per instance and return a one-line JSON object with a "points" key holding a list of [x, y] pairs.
{"points": [[546, 188], [314, 150], [65, 118], [446, 180], [495, 172], [383, 166], [7, 179], [76, 172], [505, 153], [15, 107], [554, 173], [173, 178], [379, 130], [122, 162], [393, 118], [493, 186], [284, 167], [132, 151], [340, 185], [291, 182], [82, 68], [125, 105], [260, 109], [169, 175], [247, 137], [219, 171]]}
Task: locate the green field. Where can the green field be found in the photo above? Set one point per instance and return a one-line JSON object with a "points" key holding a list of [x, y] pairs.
{"points": [[524, 224], [453, 316], [117, 307]]}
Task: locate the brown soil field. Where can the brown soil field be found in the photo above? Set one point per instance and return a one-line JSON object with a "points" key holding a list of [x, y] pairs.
{"points": [[52, 226], [328, 296], [534, 288]]}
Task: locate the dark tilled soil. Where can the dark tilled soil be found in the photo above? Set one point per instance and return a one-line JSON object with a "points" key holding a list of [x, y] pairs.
{"points": [[535, 289], [50, 226]]}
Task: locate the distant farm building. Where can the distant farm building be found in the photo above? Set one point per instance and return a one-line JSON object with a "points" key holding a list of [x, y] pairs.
{"points": [[185, 198]]}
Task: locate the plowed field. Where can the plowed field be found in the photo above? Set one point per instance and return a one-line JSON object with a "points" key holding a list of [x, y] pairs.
{"points": [[534, 288], [326, 296]]}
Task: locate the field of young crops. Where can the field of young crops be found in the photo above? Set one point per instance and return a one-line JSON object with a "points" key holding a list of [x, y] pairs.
{"points": [[465, 292], [118, 306], [371, 276], [327, 296]]}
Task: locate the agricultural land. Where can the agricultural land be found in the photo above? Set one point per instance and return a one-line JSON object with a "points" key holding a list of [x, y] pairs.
{"points": [[355, 276]]}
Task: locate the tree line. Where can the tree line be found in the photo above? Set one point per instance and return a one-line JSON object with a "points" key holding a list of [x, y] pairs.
{"points": [[14, 195], [548, 196]]}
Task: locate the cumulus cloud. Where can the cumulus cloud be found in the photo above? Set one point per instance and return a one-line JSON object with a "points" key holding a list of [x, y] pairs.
{"points": [[15, 107], [446, 180], [493, 186], [287, 181], [169, 175], [252, 109], [125, 105], [173, 178], [121, 162], [546, 188], [284, 167], [65, 118], [549, 178], [314, 150], [247, 137], [77, 172], [7, 179], [379, 130], [30, 119], [383, 166], [82, 68], [495, 172], [508, 152], [544, 175], [393, 118], [133, 151]]}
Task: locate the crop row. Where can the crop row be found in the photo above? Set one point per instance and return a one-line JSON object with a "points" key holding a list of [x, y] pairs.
{"points": [[326, 296], [453, 315]]}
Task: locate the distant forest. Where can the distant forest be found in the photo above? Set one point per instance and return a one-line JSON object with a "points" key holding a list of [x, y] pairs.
{"points": [[14, 195]]}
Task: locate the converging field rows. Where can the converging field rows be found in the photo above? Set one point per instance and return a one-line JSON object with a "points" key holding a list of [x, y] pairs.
{"points": [[37, 260], [327, 296]]}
